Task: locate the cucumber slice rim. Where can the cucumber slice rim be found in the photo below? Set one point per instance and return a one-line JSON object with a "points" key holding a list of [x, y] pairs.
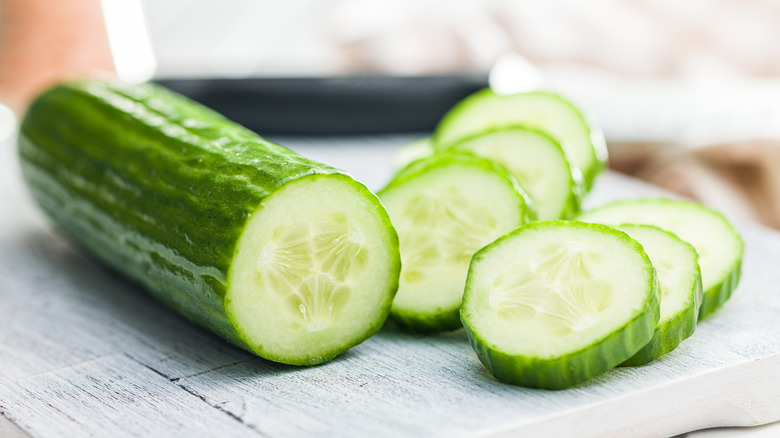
{"points": [[438, 312], [576, 180], [675, 326], [598, 155], [422, 165]]}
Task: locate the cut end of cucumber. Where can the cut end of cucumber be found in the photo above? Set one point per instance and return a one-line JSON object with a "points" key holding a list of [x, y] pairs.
{"points": [[555, 303], [451, 206], [314, 272]]}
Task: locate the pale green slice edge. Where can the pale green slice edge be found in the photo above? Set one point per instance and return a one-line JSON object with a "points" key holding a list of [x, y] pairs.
{"points": [[677, 267], [485, 110]]}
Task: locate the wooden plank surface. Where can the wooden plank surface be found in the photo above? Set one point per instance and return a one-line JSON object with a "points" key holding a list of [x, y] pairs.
{"points": [[84, 353]]}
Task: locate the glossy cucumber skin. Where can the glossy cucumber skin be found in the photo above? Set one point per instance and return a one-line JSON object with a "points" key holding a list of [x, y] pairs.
{"points": [[157, 186]]}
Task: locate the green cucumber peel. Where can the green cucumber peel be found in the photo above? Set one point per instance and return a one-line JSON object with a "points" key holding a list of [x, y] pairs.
{"points": [[175, 197]]}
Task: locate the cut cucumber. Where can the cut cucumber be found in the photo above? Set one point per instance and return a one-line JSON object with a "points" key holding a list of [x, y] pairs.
{"points": [[283, 256], [553, 304], [445, 208], [411, 152], [538, 162], [485, 110], [676, 265], [716, 241]]}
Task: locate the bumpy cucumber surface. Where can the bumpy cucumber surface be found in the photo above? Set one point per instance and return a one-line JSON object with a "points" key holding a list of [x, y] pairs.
{"points": [[676, 265], [485, 110], [445, 208], [283, 256], [553, 304], [717, 242], [538, 162]]}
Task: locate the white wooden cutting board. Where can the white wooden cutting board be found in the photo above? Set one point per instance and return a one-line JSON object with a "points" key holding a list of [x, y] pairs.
{"points": [[84, 353]]}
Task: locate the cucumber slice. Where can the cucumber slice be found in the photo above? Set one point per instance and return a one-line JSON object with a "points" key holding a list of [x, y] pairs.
{"points": [[716, 241], [485, 110], [288, 258], [411, 152], [677, 267], [445, 208], [538, 162], [553, 304]]}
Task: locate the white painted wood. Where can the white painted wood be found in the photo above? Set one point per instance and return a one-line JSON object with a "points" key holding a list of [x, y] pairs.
{"points": [[83, 351], [113, 396]]}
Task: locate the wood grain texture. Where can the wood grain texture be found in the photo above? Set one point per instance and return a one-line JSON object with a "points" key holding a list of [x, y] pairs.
{"points": [[85, 352], [113, 396]]}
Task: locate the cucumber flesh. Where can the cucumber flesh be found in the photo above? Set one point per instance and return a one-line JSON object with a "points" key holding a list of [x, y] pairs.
{"points": [[309, 270], [676, 265], [411, 152], [445, 208], [716, 241], [538, 162], [553, 304], [485, 110]]}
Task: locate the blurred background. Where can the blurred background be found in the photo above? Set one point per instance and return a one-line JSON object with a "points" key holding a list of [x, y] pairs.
{"points": [[687, 93]]}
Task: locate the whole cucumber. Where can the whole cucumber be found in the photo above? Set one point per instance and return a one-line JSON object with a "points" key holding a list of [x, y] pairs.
{"points": [[281, 255]]}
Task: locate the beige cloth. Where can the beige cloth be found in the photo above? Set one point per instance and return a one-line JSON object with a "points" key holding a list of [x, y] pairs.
{"points": [[741, 178]]}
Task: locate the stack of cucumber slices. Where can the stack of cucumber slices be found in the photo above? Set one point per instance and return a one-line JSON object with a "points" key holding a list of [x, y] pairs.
{"points": [[554, 302], [297, 262]]}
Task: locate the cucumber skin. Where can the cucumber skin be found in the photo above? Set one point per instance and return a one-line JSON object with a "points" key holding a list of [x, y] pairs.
{"points": [[159, 188], [716, 296], [595, 135], [427, 323], [670, 339], [560, 373], [447, 319]]}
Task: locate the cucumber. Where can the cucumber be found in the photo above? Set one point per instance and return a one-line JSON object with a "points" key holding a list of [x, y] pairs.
{"points": [[716, 241], [410, 152], [485, 110], [538, 162], [288, 258], [677, 267], [445, 208], [555, 303]]}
